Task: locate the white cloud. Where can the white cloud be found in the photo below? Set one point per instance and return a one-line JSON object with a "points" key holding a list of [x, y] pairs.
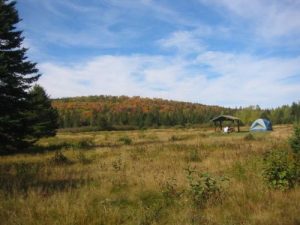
{"points": [[270, 19], [243, 79], [194, 72], [250, 80], [184, 41]]}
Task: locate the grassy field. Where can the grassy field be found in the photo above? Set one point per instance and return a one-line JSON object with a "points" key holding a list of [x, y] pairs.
{"points": [[142, 177]]}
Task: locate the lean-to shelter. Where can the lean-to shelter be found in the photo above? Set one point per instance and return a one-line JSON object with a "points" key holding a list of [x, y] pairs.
{"points": [[218, 121]]}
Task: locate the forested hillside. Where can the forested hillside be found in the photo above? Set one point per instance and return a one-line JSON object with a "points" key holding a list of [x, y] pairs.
{"points": [[111, 112], [106, 112]]}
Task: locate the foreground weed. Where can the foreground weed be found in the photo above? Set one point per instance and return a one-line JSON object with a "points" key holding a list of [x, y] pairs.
{"points": [[280, 169], [204, 187], [193, 155], [171, 191], [152, 204], [118, 165], [239, 171]]}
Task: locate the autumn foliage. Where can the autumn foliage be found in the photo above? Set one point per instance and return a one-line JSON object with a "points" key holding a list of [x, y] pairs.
{"points": [[110, 112]]}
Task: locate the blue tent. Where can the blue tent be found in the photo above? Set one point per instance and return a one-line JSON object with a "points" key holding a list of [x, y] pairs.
{"points": [[261, 125]]}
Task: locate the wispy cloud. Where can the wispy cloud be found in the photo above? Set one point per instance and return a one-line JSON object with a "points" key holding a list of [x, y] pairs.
{"points": [[244, 79], [268, 19], [225, 52]]}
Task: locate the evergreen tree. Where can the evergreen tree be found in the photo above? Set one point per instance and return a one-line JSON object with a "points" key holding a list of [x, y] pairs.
{"points": [[43, 117], [17, 74]]}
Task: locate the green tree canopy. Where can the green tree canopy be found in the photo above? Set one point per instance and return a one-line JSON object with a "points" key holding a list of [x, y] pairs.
{"points": [[17, 75], [44, 118]]}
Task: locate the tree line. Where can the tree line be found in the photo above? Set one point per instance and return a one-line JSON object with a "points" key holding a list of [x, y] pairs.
{"points": [[286, 114], [109, 112]]}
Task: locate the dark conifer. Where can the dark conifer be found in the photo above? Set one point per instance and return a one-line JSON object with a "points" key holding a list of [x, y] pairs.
{"points": [[43, 117], [17, 74]]}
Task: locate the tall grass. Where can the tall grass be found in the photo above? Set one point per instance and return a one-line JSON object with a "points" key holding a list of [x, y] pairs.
{"points": [[110, 181]]}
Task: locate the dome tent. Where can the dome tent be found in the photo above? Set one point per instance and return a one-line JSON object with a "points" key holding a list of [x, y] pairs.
{"points": [[261, 125]]}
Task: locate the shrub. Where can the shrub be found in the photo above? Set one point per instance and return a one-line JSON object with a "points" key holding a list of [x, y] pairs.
{"points": [[249, 137], [175, 138], [239, 170], [295, 140], [126, 140], [84, 143], [118, 165], [170, 190], [280, 169], [59, 158], [204, 187], [193, 155], [153, 205]]}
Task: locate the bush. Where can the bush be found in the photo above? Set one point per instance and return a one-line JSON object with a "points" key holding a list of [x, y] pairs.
{"points": [[280, 169], [59, 159], [204, 187], [175, 138], [83, 143], [170, 190], [193, 155], [126, 140], [295, 140], [249, 137]]}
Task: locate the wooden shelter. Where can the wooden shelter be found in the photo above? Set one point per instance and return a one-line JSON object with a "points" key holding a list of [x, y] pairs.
{"points": [[218, 121]]}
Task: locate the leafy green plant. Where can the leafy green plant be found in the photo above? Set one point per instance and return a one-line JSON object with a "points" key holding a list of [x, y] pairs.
{"points": [[204, 187], [280, 169], [170, 190], [295, 140]]}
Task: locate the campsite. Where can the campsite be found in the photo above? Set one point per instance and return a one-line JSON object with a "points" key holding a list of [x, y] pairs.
{"points": [[143, 177], [149, 112]]}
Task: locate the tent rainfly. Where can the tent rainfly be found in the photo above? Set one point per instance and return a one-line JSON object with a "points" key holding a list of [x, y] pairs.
{"points": [[219, 120], [261, 125]]}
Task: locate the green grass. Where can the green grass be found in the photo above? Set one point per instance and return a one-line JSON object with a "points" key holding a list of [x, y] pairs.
{"points": [[100, 178]]}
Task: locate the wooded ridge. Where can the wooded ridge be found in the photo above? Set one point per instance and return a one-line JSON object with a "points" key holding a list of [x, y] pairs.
{"points": [[109, 112]]}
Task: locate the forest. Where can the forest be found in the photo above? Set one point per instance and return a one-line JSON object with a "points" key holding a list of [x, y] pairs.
{"points": [[113, 113]]}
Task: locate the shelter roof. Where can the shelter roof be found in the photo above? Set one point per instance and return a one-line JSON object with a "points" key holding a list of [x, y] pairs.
{"points": [[225, 117]]}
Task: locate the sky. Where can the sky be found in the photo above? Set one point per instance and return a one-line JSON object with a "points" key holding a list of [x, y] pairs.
{"points": [[216, 52]]}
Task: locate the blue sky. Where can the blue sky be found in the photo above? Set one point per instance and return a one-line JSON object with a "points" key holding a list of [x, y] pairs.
{"points": [[221, 52]]}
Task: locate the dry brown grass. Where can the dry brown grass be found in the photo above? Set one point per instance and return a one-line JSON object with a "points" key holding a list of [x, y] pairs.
{"points": [[115, 183]]}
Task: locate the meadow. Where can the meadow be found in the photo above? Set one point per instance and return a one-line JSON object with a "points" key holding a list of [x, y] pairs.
{"points": [[147, 177]]}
